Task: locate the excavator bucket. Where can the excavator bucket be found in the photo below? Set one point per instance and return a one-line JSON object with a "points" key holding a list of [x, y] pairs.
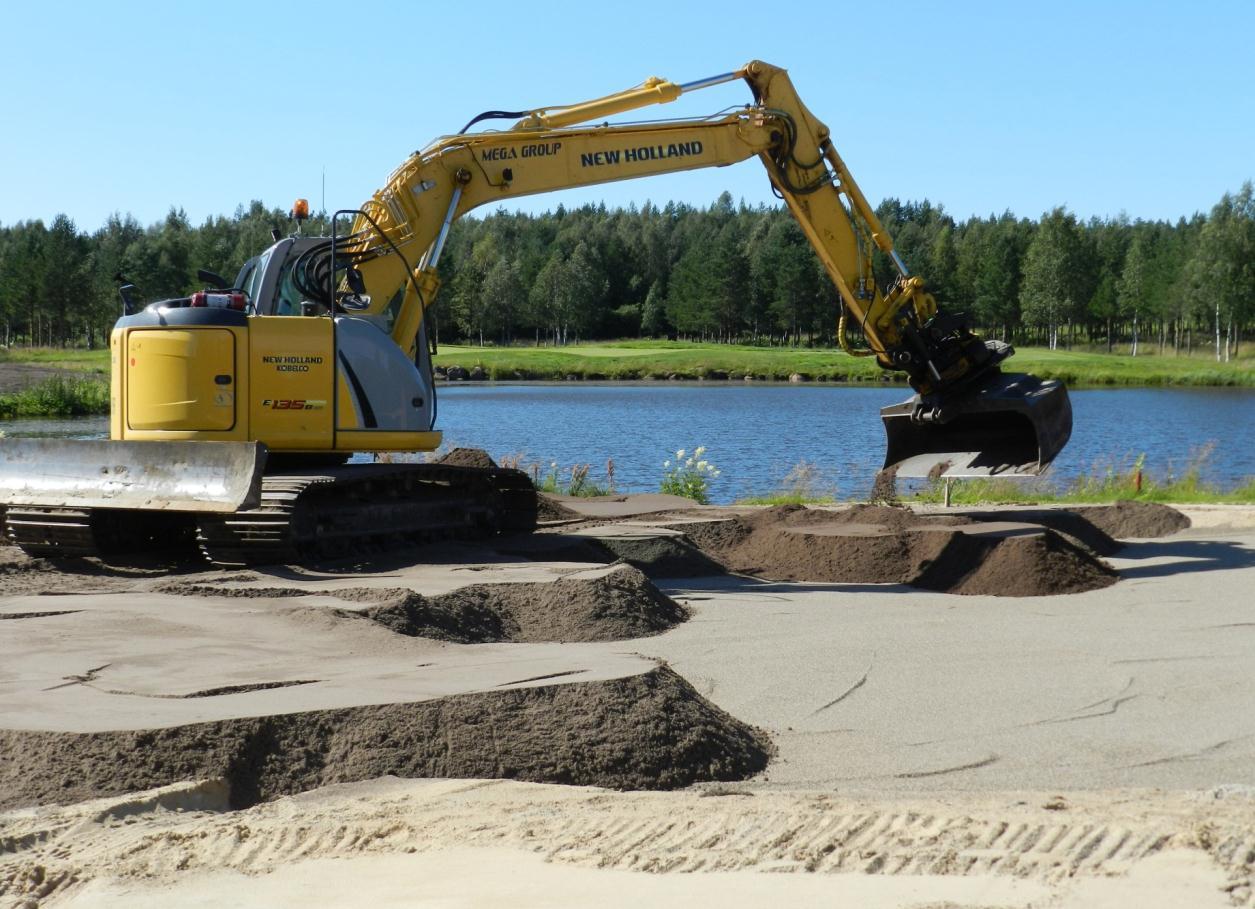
{"points": [[149, 476], [1010, 425]]}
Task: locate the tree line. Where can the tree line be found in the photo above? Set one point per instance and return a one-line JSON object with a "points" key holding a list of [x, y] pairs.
{"points": [[724, 273]]}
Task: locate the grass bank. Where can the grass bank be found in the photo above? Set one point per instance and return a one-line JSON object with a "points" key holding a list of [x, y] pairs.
{"points": [[637, 360], [59, 357], [1005, 492], [1131, 482], [59, 396]]}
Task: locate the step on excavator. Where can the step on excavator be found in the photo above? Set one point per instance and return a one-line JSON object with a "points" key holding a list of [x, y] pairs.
{"points": [[235, 410]]}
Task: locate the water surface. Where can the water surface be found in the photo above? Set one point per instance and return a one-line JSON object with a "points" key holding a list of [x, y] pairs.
{"points": [[756, 434]]}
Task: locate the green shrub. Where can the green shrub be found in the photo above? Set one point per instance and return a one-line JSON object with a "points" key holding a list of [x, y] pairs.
{"points": [[57, 397]]}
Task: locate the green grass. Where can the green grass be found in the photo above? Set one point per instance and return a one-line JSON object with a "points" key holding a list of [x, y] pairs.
{"points": [[650, 359], [1007, 492], [804, 484], [655, 361], [59, 357], [567, 481], [787, 498], [1102, 487], [57, 397], [635, 360]]}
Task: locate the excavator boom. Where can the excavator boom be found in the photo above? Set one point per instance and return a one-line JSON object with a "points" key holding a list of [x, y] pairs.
{"points": [[966, 413]]}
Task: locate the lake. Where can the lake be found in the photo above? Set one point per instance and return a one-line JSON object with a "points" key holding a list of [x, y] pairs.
{"points": [[755, 434]]}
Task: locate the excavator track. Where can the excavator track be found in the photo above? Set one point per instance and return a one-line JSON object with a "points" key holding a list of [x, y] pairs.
{"points": [[361, 509], [60, 533], [51, 532], [303, 517]]}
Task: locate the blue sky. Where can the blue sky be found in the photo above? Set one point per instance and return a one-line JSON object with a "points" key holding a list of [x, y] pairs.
{"points": [[1146, 108]]}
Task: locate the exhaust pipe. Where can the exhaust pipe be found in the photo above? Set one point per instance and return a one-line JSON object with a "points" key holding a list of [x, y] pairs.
{"points": [[1009, 425]]}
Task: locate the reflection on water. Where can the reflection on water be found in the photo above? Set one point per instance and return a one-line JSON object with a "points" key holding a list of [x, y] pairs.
{"points": [[756, 434], [57, 428]]}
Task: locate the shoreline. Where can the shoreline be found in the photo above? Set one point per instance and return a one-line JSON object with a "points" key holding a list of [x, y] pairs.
{"points": [[17, 403]]}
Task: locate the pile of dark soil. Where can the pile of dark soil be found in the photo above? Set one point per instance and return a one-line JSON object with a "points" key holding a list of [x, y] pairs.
{"points": [[1026, 565], [548, 509], [872, 544], [657, 555], [467, 457], [1072, 526], [1134, 520], [650, 731], [617, 606]]}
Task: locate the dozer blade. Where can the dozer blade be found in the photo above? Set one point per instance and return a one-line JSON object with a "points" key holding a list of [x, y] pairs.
{"points": [[1009, 425], [161, 476]]}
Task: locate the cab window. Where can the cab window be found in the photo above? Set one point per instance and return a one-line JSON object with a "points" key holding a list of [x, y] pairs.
{"points": [[287, 297]]}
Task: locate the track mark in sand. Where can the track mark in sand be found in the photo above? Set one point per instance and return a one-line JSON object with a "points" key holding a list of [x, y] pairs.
{"points": [[37, 615], [849, 691], [214, 692], [920, 774], [1114, 703], [702, 830], [538, 678], [85, 679], [243, 689], [1191, 755], [1124, 690]]}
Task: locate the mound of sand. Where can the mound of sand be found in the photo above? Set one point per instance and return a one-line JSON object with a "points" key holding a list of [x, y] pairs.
{"points": [[467, 457], [657, 555], [549, 509], [649, 731], [1134, 520], [618, 605], [873, 544], [1074, 527], [1028, 565]]}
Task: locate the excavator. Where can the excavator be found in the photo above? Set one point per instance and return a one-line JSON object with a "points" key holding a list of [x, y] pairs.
{"points": [[235, 410]]}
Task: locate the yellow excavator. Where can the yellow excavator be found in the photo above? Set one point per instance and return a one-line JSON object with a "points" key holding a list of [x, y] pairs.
{"points": [[235, 409]]}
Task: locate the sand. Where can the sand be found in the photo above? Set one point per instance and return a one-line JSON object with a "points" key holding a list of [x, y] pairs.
{"points": [[885, 545], [468, 457], [649, 731], [887, 742], [614, 606], [390, 842], [550, 509], [1134, 520]]}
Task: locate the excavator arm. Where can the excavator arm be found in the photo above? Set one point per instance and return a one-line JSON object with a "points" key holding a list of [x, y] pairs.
{"points": [[967, 416]]}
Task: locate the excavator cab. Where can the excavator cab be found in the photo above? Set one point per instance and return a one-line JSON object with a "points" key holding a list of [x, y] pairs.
{"points": [[1004, 425]]}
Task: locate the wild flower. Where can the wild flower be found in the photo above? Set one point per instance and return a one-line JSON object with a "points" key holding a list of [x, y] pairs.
{"points": [[690, 477]]}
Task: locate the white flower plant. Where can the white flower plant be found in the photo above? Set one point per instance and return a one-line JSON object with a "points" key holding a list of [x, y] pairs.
{"points": [[689, 476]]}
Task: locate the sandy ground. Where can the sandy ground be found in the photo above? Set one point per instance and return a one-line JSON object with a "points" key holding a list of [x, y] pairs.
{"points": [[1093, 749], [392, 842]]}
